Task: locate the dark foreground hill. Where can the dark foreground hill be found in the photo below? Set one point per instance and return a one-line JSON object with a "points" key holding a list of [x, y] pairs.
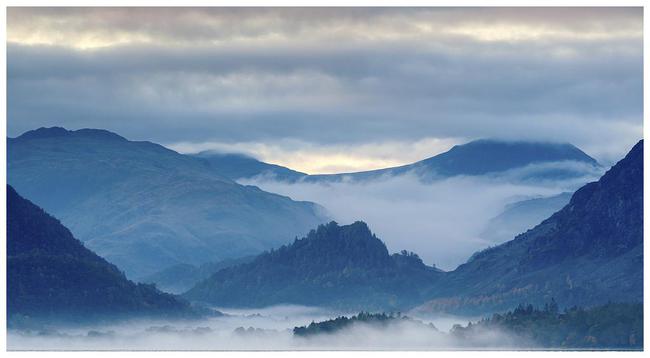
{"points": [[337, 266], [52, 276], [145, 207], [588, 253]]}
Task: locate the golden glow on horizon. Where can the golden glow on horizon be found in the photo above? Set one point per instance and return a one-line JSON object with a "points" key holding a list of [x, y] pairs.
{"points": [[100, 28], [332, 159]]}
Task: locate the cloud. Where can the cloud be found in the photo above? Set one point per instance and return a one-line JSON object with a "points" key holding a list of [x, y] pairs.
{"points": [[100, 27], [330, 77]]}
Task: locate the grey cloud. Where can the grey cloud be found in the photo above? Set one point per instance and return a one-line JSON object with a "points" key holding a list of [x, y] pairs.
{"points": [[201, 24], [324, 82]]}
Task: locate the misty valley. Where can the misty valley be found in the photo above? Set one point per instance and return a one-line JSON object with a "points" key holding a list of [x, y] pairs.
{"points": [[493, 244]]}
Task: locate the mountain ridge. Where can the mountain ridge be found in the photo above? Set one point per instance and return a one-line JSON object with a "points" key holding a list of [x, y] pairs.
{"points": [[477, 157], [144, 206]]}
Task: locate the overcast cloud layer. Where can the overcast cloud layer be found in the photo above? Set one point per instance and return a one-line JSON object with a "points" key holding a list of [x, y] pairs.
{"points": [[317, 89]]}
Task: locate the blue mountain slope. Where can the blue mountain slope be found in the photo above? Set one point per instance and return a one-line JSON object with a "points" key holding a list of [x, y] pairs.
{"points": [[145, 207], [52, 276], [521, 216], [590, 252]]}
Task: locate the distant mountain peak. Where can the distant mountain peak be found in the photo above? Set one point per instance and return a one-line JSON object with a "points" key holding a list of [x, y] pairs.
{"points": [[485, 156], [44, 132], [52, 132], [531, 151]]}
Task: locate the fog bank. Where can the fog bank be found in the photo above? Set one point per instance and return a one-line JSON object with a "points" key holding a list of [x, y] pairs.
{"points": [[441, 221], [261, 329]]}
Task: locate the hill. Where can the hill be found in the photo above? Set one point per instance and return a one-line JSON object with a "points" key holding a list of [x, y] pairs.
{"points": [[590, 252], [335, 266], [143, 206], [524, 161], [52, 276]]}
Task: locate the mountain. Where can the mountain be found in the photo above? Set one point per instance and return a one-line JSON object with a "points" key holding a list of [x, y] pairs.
{"points": [[522, 161], [240, 166], [590, 252], [51, 275], [519, 160], [180, 278], [521, 216], [336, 266], [143, 206], [587, 253]]}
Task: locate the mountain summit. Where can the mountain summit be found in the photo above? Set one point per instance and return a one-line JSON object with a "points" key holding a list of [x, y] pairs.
{"points": [[489, 157]]}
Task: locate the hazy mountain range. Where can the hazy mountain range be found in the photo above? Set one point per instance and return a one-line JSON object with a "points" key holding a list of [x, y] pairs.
{"points": [[542, 161], [521, 215], [145, 207], [589, 252], [175, 220]]}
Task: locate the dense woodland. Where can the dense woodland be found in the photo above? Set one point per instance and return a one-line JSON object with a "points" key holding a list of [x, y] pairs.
{"points": [[336, 324], [610, 326], [616, 326]]}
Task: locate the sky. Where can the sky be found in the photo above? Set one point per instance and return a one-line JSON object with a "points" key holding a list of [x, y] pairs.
{"points": [[326, 90]]}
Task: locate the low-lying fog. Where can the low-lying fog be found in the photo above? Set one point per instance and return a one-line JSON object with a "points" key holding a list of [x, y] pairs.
{"points": [[263, 329], [441, 221]]}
